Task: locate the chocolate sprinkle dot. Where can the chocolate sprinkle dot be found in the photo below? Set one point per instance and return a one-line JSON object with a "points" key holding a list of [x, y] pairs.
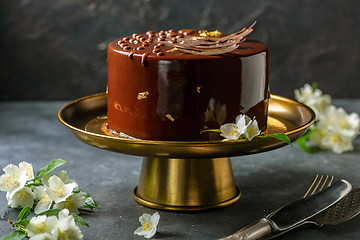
{"points": [[156, 50], [161, 44], [127, 48], [160, 54], [126, 38], [140, 48]]}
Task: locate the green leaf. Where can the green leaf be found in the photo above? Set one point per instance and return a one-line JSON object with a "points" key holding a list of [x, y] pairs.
{"points": [[79, 220], [14, 235], [281, 136], [23, 222], [24, 213], [51, 212], [48, 168], [301, 142], [211, 130], [89, 202], [314, 85], [31, 185]]}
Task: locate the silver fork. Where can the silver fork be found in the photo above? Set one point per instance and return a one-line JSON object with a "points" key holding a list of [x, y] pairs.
{"points": [[319, 183]]}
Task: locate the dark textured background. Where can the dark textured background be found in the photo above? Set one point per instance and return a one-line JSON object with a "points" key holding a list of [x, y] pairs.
{"points": [[57, 49]]}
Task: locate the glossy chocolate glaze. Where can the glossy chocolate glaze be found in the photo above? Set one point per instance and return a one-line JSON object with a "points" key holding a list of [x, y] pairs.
{"points": [[156, 92]]}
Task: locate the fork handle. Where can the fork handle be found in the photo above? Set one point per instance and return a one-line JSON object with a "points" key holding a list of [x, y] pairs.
{"points": [[258, 230]]}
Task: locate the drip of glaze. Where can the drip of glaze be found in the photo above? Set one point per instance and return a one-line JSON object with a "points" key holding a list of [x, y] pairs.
{"points": [[131, 54], [144, 59]]}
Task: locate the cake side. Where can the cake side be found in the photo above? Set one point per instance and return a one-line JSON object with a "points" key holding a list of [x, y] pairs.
{"points": [[174, 96]]}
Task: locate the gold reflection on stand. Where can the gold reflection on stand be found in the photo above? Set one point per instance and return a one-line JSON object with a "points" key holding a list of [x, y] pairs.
{"points": [[184, 176]]}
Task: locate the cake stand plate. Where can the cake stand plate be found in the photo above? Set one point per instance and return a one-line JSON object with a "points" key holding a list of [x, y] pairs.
{"points": [[179, 175]]}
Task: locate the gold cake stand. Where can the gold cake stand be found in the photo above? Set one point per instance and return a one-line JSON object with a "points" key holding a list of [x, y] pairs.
{"points": [[184, 176]]}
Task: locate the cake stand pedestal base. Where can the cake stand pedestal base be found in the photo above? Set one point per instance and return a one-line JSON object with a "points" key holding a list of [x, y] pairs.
{"points": [[186, 184]]}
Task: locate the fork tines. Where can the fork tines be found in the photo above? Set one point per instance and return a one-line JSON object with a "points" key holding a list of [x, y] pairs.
{"points": [[319, 183]]}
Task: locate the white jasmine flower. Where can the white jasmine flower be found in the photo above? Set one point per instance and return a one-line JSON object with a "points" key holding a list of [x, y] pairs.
{"points": [[337, 142], [67, 228], [149, 224], [45, 201], [42, 227], [58, 190], [314, 98], [338, 120], [72, 203], [13, 180], [22, 198], [28, 168], [244, 127], [336, 130], [252, 130], [230, 131], [62, 175]]}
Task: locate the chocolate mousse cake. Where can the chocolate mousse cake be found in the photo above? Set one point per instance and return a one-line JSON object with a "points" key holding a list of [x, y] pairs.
{"points": [[172, 85]]}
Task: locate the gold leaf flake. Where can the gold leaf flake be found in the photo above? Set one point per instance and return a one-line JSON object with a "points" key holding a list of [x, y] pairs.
{"points": [[172, 50], [182, 42], [198, 89], [196, 38], [215, 33], [117, 106], [142, 95], [170, 117]]}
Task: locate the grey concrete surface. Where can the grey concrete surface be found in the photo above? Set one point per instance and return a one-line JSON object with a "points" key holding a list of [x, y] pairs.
{"points": [[30, 131]]}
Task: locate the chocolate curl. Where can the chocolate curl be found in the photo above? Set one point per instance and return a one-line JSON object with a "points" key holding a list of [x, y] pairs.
{"points": [[215, 45]]}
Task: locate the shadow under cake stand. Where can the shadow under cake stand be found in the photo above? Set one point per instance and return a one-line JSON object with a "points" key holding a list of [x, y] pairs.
{"points": [[178, 175]]}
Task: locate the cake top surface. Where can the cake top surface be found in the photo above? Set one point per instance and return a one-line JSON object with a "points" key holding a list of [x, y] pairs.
{"points": [[187, 44]]}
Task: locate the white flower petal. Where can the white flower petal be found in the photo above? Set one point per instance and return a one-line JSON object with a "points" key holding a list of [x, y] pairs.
{"points": [[149, 225], [58, 190], [252, 130], [13, 180], [155, 218], [230, 131], [22, 198], [42, 224], [72, 203], [63, 176], [151, 233], [28, 168], [67, 227], [140, 231]]}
